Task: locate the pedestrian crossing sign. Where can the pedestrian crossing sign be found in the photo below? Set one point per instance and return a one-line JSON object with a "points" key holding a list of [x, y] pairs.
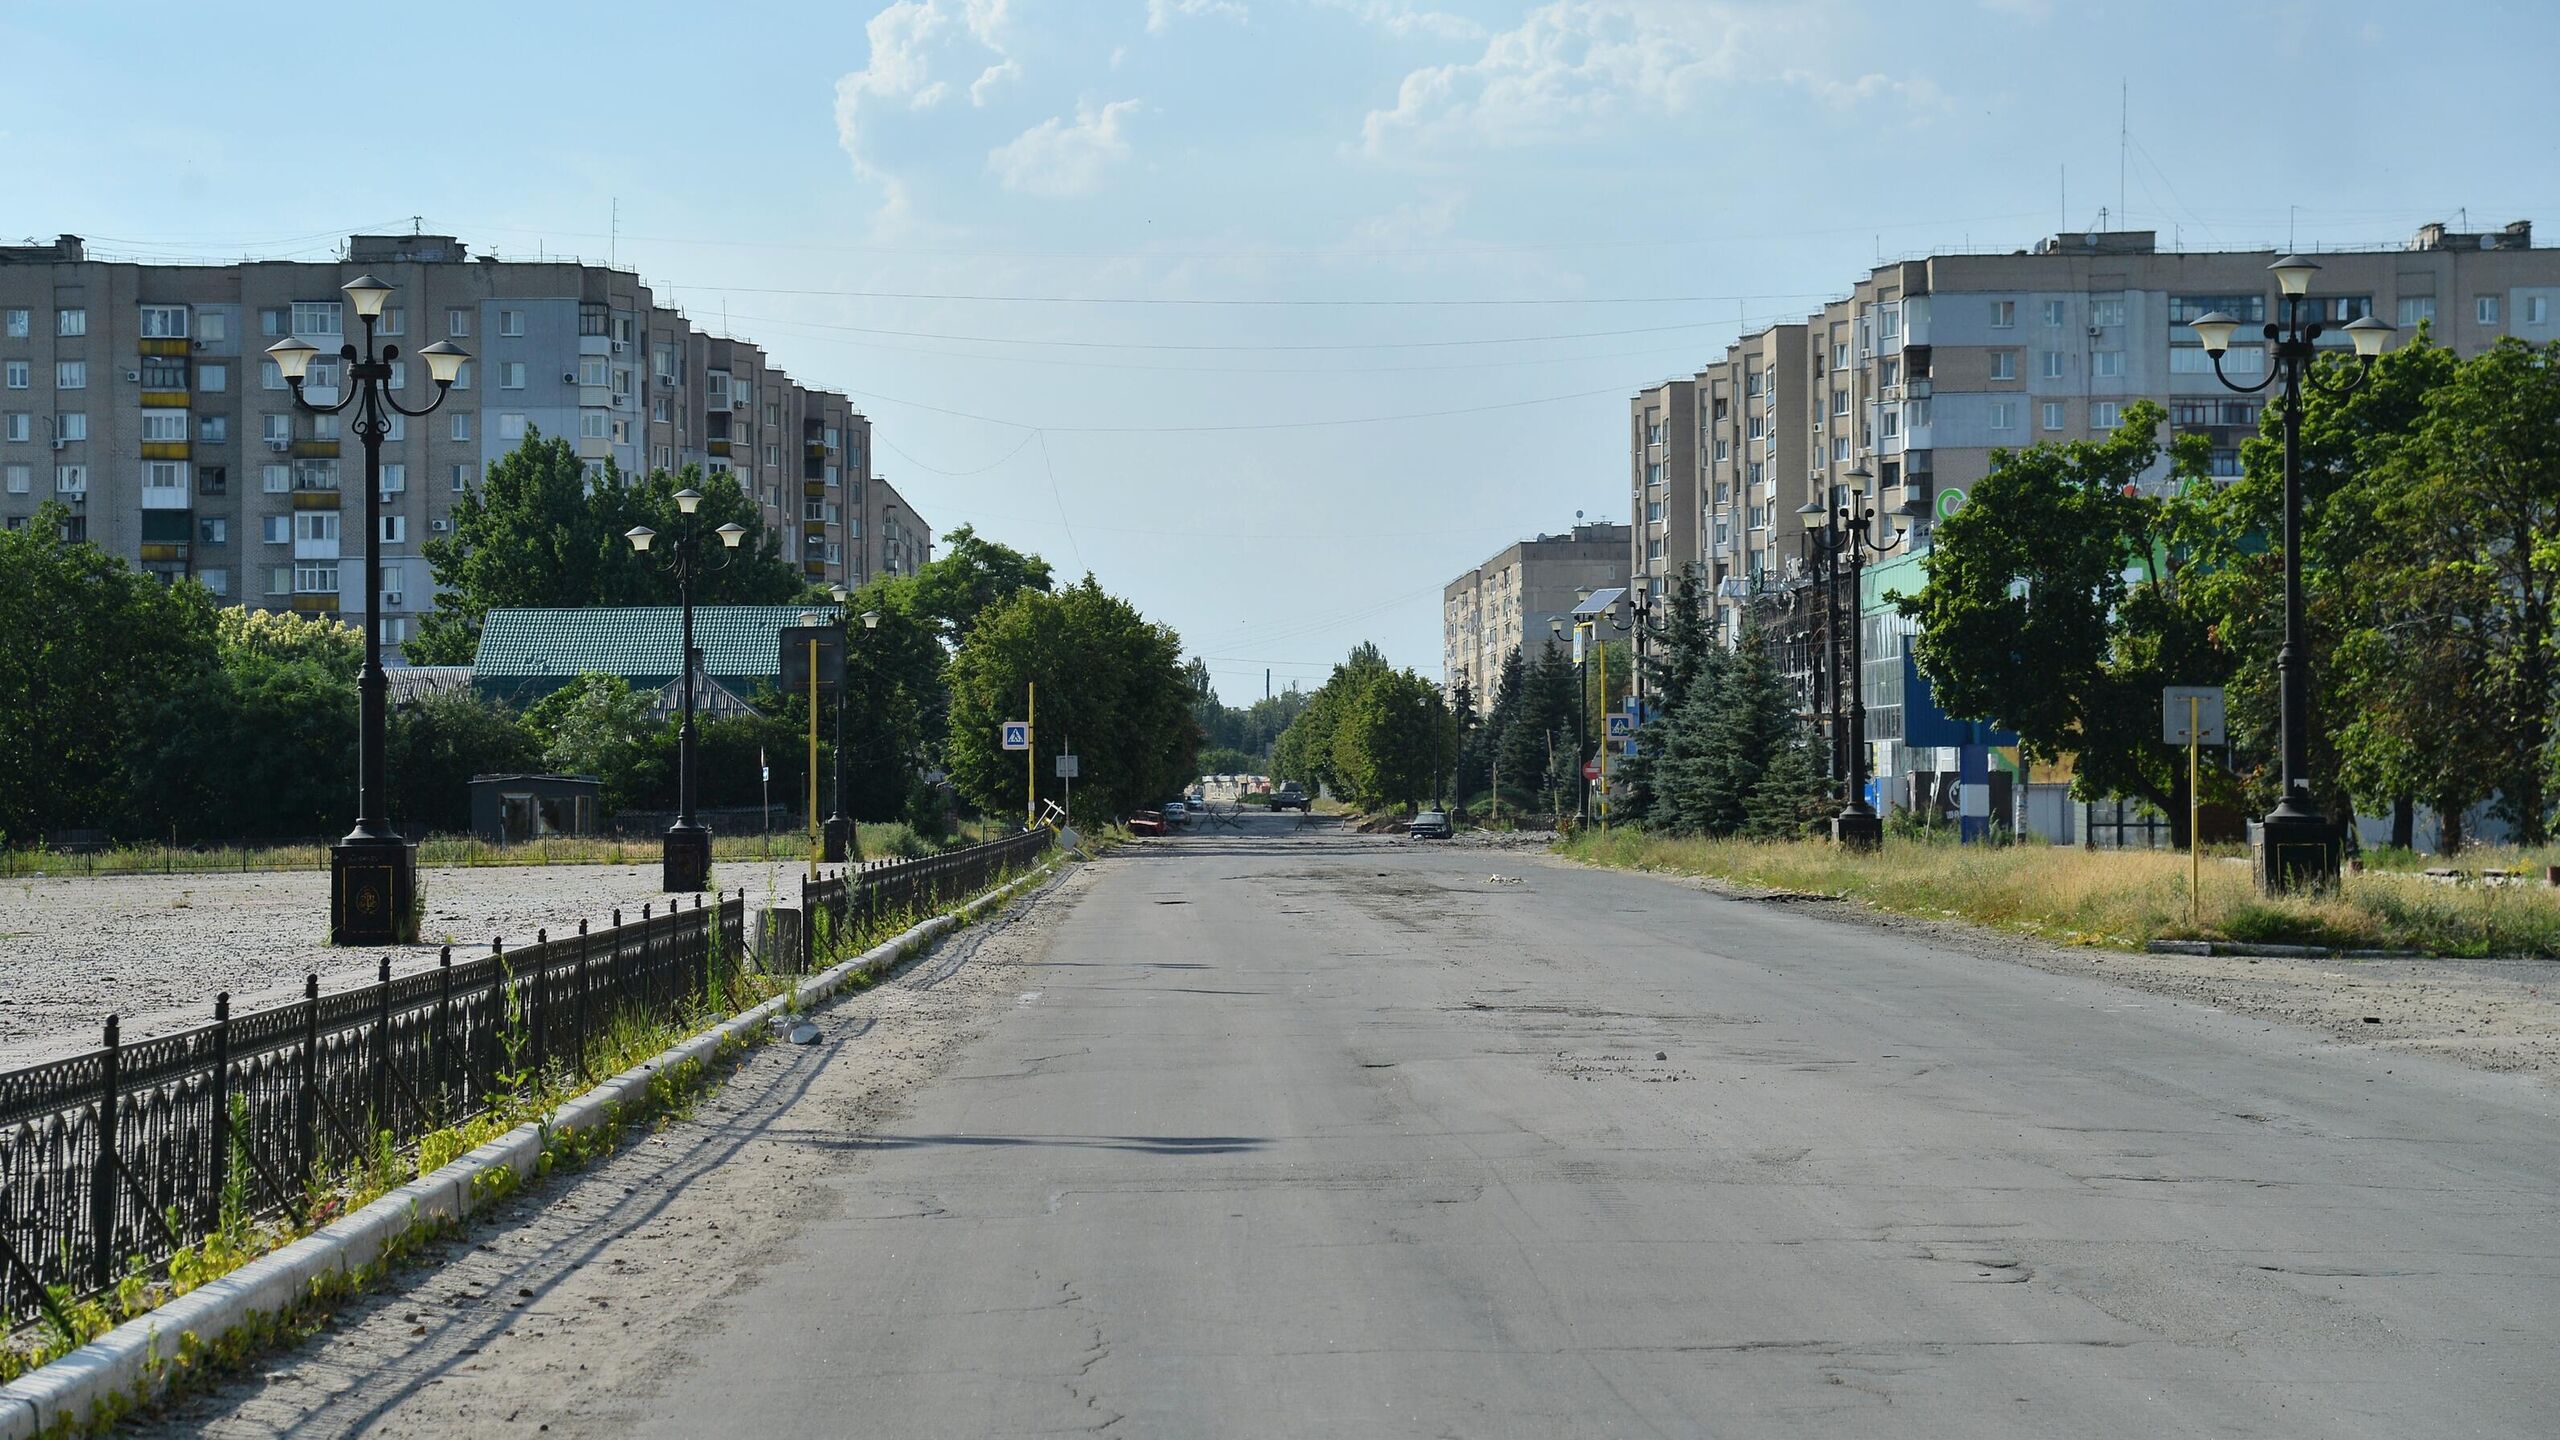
{"points": [[1017, 734]]}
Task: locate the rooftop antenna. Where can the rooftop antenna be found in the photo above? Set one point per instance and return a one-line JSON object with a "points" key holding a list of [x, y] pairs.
{"points": [[2288, 225], [2124, 132], [613, 236]]}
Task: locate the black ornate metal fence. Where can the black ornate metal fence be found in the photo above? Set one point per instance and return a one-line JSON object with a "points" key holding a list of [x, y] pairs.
{"points": [[850, 899], [116, 1158]]}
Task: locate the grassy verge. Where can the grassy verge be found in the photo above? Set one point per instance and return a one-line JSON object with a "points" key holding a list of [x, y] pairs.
{"points": [[628, 1039], [892, 839], [2120, 898]]}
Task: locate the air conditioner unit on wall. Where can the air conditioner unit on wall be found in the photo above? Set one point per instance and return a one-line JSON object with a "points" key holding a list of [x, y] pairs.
{"points": [[618, 347], [440, 525]]}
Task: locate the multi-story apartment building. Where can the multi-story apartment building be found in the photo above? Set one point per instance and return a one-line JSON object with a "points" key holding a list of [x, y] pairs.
{"points": [[1665, 431], [1505, 603], [140, 396], [1914, 379]]}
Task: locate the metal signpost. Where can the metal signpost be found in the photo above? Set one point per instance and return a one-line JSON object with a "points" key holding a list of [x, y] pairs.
{"points": [[2192, 715], [1016, 735], [1068, 767]]}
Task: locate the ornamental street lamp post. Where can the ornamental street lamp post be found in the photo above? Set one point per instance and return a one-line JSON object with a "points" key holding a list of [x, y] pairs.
{"points": [[1817, 520], [684, 857], [1857, 826], [843, 840], [373, 872], [2298, 847]]}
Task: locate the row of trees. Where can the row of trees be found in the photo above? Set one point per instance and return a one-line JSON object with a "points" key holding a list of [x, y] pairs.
{"points": [[2063, 597], [1374, 735], [147, 710]]}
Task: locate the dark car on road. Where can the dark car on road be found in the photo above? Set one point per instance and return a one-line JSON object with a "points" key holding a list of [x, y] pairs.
{"points": [[1146, 822], [1429, 825], [1290, 797]]}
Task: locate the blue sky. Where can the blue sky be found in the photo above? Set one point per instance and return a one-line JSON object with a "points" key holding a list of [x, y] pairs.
{"points": [[1274, 314]]}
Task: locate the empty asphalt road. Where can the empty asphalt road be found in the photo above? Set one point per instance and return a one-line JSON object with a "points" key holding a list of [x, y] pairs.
{"points": [[1285, 1134]]}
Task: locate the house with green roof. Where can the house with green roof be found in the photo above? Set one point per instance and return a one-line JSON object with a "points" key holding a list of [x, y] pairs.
{"points": [[526, 654]]}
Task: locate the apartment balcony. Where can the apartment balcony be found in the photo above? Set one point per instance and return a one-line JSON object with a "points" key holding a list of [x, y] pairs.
{"points": [[315, 604], [164, 399], [163, 553], [813, 487], [313, 449], [176, 345], [715, 447], [164, 497], [314, 498], [164, 449]]}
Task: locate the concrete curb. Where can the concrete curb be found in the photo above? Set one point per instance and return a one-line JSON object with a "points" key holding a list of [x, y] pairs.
{"points": [[2276, 952], [124, 1365]]}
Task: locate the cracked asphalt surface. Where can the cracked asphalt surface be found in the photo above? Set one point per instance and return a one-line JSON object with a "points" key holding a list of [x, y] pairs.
{"points": [[1295, 1132]]}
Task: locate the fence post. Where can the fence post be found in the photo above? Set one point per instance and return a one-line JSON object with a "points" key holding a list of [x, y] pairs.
{"points": [[586, 1039], [648, 962], [382, 1048], [306, 1104], [808, 930], [540, 1012], [442, 1041], [221, 1096], [102, 1171], [613, 960], [497, 1004], [710, 941]]}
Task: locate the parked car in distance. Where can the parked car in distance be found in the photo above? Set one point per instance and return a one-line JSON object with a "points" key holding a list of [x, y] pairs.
{"points": [[1146, 822], [1176, 813], [1290, 797], [1429, 825]]}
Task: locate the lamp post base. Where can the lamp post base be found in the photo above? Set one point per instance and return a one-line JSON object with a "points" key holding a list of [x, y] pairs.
{"points": [[1857, 831], [2297, 852], [373, 888], [685, 859], [838, 839]]}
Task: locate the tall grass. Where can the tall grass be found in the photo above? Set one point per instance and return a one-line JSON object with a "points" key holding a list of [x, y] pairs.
{"points": [[2120, 898]]}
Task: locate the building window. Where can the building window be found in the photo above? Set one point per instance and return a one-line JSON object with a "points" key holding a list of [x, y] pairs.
{"points": [[395, 529], [457, 322], [274, 322], [510, 374], [2107, 313], [2004, 415], [70, 374], [19, 428], [2416, 310], [2484, 309], [74, 426], [213, 378], [275, 479], [164, 322], [162, 427], [395, 320], [2053, 314], [279, 429], [2537, 309], [163, 372], [511, 425], [594, 370], [318, 317], [213, 480], [315, 579], [660, 410], [462, 375], [213, 325], [214, 429], [164, 475], [214, 530], [1889, 322], [461, 478], [395, 426], [1839, 402], [2053, 364], [2053, 413], [13, 323], [2004, 364], [395, 479], [2004, 314], [216, 580], [20, 477], [1840, 450], [71, 322], [2107, 364], [511, 323], [460, 429], [269, 376], [2104, 415], [1840, 355], [591, 424], [19, 374], [70, 479]]}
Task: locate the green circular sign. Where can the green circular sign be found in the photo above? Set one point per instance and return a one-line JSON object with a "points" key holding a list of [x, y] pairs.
{"points": [[1950, 501]]}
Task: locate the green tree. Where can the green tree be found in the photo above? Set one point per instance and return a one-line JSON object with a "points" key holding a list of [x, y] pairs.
{"points": [[970, 575], [89, 650], [894, 683], [241, 634], [1792, 797], [1110, 682], [539, 533], [437, 743], [2054, 606], [598, 725], [1394, 739]]}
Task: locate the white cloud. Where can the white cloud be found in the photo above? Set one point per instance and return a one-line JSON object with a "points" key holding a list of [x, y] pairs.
{"points": [[1574, 69], [993, 76], [1162, 13], [1400, 19], [1059, 159], [1412, 224]]}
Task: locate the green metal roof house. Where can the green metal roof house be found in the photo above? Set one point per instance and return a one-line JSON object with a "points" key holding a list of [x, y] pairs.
{"points": [[526, 654]]}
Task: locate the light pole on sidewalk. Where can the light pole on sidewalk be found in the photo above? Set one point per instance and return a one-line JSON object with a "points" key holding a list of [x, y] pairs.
{"points": [[373, 874], [2297, 846], [1857, 826], [684, 856]]}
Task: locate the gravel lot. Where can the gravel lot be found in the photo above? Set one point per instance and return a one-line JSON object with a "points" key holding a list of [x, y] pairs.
{"points": [[154, 949]]}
